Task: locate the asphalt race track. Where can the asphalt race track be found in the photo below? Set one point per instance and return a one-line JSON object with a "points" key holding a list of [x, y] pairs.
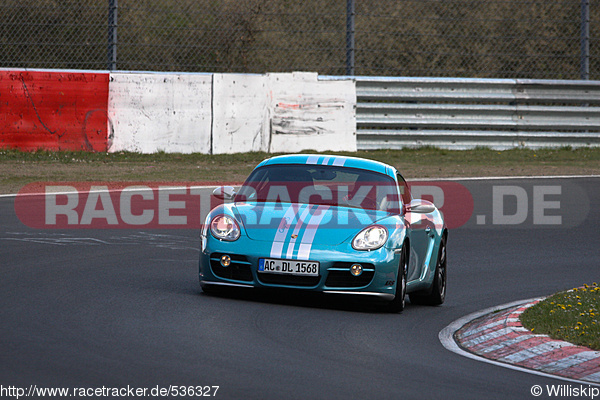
{"points": [[112, 308]]}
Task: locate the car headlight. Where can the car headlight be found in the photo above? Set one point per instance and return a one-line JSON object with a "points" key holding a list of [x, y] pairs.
{"points": [[225, 227], [370, 238]]}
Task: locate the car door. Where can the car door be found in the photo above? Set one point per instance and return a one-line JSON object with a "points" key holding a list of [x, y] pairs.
{"points": [[419, 232]]}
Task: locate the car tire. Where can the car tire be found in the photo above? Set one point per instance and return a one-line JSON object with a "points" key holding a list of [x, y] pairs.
{"points": [[437, 294], [397, 305]]}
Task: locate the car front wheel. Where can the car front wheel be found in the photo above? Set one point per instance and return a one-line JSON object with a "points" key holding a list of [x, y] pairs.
{"points": [[397, 305]]}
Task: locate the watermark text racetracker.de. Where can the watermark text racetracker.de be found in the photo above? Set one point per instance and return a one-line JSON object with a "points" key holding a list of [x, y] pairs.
{"points": [[184, 205], [33, 391]]}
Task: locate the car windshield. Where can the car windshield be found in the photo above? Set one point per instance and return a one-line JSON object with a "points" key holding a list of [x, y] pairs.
{"points": [[320, 184]]}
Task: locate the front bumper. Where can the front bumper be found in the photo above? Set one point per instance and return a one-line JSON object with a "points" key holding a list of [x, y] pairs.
{"points": [[378, 278]]}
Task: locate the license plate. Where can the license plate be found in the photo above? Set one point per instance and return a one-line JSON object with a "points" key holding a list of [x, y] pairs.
{"points": [[288, 267]]}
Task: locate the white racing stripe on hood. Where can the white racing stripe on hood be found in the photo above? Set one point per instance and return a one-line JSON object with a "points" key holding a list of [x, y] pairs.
{"points": [[292, 244], [310, 231], [312, 159], [339, 161], [282, 230]]}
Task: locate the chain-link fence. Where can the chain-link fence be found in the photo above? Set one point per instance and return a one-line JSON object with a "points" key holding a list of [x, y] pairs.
{"points": [[457, 38]]}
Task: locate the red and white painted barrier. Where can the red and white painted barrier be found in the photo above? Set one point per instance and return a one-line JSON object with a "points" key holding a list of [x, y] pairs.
{"points": [[176, 113], [54, 110]]}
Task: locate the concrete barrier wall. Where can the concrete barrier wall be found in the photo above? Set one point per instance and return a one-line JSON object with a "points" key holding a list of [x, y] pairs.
{"points": [[176, 113], [54, 110], [288, 112], [153, 112], [284, 112], [240, 113], [309, 114]]}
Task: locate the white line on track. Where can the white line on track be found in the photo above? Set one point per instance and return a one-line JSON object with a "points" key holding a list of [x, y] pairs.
{"points": [[165, 187], [482, 178], [497, 178]]}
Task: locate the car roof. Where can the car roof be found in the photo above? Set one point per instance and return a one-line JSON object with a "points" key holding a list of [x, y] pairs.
{"points": [[323, 159]]}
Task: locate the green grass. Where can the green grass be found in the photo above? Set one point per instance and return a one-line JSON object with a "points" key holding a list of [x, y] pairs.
{"points": [[573, 316], [418, 155]]}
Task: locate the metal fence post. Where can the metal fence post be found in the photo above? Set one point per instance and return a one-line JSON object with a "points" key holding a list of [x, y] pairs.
{"points": [[585, 40], [350, 14], [112, 35]]}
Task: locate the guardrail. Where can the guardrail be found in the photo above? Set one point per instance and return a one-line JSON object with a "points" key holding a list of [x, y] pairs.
{"points": [[461, 113]]}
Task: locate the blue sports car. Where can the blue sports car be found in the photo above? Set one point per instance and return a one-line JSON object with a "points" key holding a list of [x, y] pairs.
{"points": [[329, 224]]}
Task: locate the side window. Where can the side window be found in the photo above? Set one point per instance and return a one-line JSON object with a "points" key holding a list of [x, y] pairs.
{"points": [[404, 190]]}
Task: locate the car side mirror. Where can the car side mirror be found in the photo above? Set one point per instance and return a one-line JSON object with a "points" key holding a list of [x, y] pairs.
{"points": [[224, 192], [420, 207]]}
